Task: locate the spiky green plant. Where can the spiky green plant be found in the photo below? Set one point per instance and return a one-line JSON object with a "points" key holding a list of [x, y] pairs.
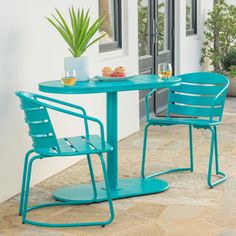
{"points": [[79, 32], [220, 34]]}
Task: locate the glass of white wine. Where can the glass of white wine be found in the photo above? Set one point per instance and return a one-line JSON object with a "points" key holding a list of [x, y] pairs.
{"points": [[165, 70], [69, 78]]}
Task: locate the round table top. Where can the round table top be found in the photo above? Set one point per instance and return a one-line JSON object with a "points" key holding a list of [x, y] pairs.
{"points": [[137, 82]]}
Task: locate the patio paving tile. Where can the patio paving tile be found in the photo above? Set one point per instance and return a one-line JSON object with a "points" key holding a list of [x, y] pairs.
{"points": [[224, 216], [227, 232], [229, 198], [189, 228], [178, 212], [176, 196], [146, 210]]}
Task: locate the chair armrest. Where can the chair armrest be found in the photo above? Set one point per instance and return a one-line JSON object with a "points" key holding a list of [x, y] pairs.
{"points": [[146, 102], [61, 102], [214, 100], [68, 105], [72, 113]]}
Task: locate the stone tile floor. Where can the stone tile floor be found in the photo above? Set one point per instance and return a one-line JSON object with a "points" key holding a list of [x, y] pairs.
{"points": [[188, 208]]}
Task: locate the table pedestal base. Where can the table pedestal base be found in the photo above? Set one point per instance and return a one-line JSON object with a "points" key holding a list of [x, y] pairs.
{"points": [[129, 187]]}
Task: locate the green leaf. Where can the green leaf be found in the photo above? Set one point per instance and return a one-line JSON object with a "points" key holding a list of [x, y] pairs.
{"points": [[93, 29], [65, 24], [61, 31], [95, 40]]}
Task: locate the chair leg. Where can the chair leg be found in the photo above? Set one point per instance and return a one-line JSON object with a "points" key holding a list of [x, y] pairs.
{"points": [[213, 146], [27, 186], [191, 148], [109, 197], [166, 171], [92, 178], [144, 150], [24, 180], [216, 151], [26, 209]]}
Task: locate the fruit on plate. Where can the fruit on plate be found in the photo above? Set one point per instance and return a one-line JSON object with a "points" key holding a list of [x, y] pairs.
{"points": [[107, 71], [119, 71], [114, 74]]}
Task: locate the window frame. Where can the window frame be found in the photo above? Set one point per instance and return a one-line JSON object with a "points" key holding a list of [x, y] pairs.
{"points": [[117, 44], [194, 29]]}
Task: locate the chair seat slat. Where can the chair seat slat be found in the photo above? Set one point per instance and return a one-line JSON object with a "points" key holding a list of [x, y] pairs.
{"points": [[35, 115], [95, 141], [40, 135], [40, 129], [194, 111], [32, 108], [197, 89], [65, 146], [204, 78], [80, 144], [44, 142], [36, 122], [194, 100], [187, 121]]}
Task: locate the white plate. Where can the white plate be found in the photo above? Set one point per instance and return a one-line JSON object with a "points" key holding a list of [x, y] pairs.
{"points": [[111, 79]]}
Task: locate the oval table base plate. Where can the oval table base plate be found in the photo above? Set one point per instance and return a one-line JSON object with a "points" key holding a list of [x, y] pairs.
{"points": [[129, 187]]}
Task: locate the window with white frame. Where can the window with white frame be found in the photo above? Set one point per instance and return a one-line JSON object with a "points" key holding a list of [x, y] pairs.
{"points": [[111, 9], [191, 17]]}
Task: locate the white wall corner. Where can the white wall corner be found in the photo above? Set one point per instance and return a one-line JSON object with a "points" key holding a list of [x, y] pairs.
{"points": [[188, 48]]}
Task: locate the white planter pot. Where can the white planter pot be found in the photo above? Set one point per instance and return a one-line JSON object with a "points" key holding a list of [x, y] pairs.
{"points": [[80, 65]]}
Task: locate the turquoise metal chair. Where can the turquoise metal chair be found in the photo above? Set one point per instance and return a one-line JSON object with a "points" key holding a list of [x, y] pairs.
{"points": [[199, 100], [47, 145]]}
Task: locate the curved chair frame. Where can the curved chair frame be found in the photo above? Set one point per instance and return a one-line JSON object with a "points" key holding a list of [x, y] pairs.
{"points": [[24, 208], [211, 125], [166, 171]]}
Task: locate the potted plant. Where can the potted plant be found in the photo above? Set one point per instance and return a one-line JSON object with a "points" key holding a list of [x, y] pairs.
{"points": [[220, 42], [229, 66], [78, 35]]}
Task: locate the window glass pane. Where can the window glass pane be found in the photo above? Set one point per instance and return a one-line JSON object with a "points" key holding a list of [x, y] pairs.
{"points": [[162, 25], [189, 13], [191, 17], [106, 8], [143, 28]]}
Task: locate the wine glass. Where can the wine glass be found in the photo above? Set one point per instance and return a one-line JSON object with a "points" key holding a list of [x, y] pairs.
{"points": [[69, 78], [165, 70]]}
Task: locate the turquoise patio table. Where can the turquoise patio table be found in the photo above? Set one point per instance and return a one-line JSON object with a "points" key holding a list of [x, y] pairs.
{"points": [[120, 188]]}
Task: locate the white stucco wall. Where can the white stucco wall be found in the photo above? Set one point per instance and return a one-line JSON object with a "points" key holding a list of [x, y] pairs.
{"points": [[31, 51], [188, 48]]}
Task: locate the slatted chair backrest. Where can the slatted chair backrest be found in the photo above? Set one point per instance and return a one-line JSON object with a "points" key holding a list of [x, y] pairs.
{"points": [[195, 96], [38, 120]]}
